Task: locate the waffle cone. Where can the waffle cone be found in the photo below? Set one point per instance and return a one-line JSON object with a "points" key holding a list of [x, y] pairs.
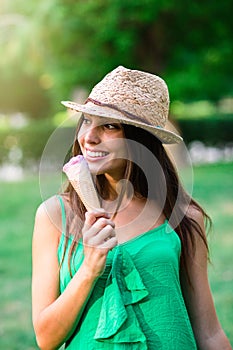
{"points": [[81, 179], [86, 190]]}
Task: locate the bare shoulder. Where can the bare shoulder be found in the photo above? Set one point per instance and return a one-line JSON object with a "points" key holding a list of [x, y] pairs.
{"points": [[197, 261], [199, 235], [49, 209], [197, 215], [48, 219]]}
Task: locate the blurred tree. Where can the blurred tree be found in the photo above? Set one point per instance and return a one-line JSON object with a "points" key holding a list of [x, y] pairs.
{"points": [[67, 43], [20, 61], [21, 92]]}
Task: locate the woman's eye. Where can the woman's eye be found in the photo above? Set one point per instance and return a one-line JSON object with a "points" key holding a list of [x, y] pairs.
{"points": [[112, 126], [86, 121]]}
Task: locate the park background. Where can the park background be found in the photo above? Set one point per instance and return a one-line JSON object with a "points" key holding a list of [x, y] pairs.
{"points": [[53, 50]]}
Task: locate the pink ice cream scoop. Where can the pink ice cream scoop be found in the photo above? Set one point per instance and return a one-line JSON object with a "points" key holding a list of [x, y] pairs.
{"points": [[79, 175]]}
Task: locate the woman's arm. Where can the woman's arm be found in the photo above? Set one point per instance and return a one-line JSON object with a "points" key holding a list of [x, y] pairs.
{"points": [[198, 298], [55, 316]]}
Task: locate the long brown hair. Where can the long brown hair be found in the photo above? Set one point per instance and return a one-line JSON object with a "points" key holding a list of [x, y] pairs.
{"points": [[166, 189]]}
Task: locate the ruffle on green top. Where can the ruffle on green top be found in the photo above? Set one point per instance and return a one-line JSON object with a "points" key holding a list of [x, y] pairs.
{"points": [[118, 322]]}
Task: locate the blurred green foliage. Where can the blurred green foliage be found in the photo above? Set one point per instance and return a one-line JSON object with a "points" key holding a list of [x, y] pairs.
{"points": [[25, 146], [63, 44], [216, 130]]}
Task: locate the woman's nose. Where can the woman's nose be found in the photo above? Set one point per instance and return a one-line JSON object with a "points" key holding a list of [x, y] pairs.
{"points": [[92, 135]]}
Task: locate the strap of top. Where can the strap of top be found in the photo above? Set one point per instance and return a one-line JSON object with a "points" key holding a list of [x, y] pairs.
{"points": [[63, 214]]}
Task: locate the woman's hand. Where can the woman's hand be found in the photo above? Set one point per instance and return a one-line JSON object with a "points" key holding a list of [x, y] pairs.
{"points": [[98, 238]]}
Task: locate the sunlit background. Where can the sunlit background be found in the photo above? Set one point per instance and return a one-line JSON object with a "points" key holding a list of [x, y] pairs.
{"points": [[53, 50]]}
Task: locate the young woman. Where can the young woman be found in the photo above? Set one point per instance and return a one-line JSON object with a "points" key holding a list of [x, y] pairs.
{"points": [[132, 275]]}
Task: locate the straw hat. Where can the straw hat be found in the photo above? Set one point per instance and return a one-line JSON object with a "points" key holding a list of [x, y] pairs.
{"points": [[131, 97]]}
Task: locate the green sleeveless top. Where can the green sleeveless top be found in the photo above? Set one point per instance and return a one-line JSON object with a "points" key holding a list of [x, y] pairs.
{"points": [[137, 303]]}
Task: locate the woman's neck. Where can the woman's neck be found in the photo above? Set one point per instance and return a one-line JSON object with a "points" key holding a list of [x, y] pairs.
{"points": [[136, 216]]}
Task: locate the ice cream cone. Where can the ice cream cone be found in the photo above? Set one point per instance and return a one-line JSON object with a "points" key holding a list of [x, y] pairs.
{"points": [[79, 175]]}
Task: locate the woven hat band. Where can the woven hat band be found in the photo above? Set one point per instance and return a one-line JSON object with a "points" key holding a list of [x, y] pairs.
{"points": [[125, 113]]}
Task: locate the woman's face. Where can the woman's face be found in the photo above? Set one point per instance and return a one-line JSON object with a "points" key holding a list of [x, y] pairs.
{"points": [[103, 145]]}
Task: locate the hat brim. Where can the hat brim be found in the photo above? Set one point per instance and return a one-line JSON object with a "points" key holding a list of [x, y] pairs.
{"points": [[164, 135]]}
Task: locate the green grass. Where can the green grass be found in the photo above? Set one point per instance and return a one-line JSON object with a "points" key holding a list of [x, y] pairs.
{"points": [[18, 204], [213, 188]]}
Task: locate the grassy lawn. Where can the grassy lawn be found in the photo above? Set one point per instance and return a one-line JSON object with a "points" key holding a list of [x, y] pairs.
{"points": [[213, 188], [18, 203]]}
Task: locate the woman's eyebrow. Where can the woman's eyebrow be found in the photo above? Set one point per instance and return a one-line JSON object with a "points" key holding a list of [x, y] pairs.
{"points": [[111, 121], [107, 121]]}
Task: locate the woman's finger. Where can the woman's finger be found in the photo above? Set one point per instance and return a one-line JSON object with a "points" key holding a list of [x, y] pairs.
{"points": [[95, 229], [102, 236], [92, 216], [109, 244]]}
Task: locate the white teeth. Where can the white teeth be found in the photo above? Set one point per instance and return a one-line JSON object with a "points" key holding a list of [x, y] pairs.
{"points": [[96, 154]]}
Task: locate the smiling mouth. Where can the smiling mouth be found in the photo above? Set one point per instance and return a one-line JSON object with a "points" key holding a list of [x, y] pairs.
{"points": [[93, 154]]}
